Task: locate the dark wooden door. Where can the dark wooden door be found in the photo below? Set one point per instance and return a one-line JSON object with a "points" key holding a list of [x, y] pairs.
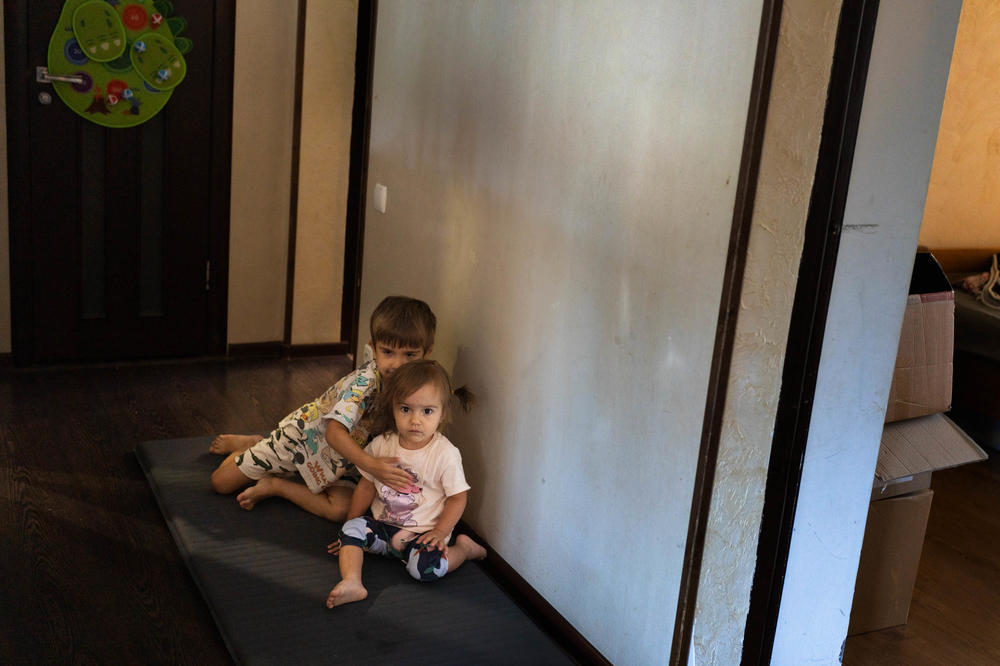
{"points": [[119, 235]]}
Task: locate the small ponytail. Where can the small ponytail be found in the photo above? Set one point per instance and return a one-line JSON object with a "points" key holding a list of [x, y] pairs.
{"points": [[466, 399]]}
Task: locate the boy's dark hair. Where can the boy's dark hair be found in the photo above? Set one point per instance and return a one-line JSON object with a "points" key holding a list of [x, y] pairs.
{"points": [[399, 321], [407, 380]]}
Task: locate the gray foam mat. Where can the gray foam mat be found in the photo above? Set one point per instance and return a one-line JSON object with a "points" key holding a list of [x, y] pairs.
{"points": [[265, 575]]}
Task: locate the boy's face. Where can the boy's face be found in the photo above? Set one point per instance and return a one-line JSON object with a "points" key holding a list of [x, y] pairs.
{"points": [[388, 358]]}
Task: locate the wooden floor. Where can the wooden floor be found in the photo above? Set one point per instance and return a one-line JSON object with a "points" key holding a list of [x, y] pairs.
{"points": [[90, 573], [955, 612]]}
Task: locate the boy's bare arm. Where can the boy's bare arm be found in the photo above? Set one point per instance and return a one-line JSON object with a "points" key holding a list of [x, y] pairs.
{"points": [[382, 469], [454, 507]]}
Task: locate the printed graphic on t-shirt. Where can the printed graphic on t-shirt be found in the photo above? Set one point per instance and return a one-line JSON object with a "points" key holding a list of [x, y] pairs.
{"points": [[399, 506]]}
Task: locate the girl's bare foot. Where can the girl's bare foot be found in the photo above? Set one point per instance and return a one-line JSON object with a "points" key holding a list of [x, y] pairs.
{"points": [[473, 551], [232, 443], [257, 492], [346, 591]]}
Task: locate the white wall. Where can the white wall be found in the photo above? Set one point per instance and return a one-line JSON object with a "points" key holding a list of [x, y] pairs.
{"points": [[561, 181], [892, 162]]}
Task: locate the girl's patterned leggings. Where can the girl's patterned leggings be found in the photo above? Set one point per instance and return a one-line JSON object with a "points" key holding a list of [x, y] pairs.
{"points": [[374, 536]]}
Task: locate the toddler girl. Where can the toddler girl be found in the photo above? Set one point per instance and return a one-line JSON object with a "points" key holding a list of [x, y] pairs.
{"points": [[416, 524]]}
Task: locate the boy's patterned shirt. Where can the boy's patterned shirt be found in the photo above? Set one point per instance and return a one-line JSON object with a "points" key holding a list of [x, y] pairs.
{"points": [[349, 403]]}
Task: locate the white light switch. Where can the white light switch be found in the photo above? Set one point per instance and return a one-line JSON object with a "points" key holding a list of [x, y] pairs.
{"points": [[381, 195]]}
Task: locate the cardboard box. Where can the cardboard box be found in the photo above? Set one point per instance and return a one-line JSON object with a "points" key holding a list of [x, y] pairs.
{"points": [[924, 444], [921, 381], [894, 534], [904, 485], [887, 571]]}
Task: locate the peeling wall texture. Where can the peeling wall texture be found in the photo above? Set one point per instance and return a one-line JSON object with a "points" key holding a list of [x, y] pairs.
{"points": [[788, 163], [963, 199]]}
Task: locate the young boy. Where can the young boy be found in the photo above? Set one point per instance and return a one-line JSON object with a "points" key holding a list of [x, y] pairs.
{"points": [[323, 440]]}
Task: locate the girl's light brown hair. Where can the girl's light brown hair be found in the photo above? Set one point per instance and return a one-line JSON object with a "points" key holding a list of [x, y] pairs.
{"points": [[410, 378]]}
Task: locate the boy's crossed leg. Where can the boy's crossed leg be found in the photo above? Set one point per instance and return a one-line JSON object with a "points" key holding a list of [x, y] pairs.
{"points": [[331, 504]]}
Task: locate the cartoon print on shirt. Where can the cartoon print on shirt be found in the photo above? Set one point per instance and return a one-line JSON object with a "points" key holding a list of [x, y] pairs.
{"points": [[313, 440], [354, 398], [310, 412], [399, 506]]}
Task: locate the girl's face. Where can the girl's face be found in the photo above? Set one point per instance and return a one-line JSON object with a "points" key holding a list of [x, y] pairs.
{"points": [[418, 416]]}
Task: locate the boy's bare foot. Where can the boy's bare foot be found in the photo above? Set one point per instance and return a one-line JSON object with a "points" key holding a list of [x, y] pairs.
{"points": [[473, 551], [224, 444], [346, 591], [257, 492]]}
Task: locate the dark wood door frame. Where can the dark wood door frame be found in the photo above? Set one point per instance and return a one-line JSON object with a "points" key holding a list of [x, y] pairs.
{"points": [[852, 51], [364, 67], [18, 78], [293, 198], [19, 91], [224, 62]]}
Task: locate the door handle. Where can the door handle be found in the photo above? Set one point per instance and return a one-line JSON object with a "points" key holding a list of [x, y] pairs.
{"points": [[42, 76]]}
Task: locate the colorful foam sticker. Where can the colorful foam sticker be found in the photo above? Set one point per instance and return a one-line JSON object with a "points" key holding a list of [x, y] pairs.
{"points": [[99, 31], [127, 55], [158, 61]]}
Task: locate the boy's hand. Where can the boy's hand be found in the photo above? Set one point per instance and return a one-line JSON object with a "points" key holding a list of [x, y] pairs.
{"points": [[334, 548], [385, 470], [434, 539]]}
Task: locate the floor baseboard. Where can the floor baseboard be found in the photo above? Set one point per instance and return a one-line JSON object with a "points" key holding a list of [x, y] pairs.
{"points": [[276, 349]]}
